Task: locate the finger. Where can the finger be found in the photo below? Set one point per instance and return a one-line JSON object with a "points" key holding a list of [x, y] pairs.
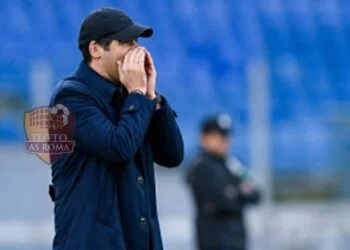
{"points": [[150, 60], [128, 58], [131, 57], [140, 57], [147, 59], [143, 58], [139, 54], [148, 65]]}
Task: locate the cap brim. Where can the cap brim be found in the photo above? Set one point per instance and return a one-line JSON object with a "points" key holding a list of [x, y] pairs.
{"points": [[133, 32]]}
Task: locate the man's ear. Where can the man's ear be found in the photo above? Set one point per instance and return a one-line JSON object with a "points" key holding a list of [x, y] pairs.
{"points": [[95, 50]]}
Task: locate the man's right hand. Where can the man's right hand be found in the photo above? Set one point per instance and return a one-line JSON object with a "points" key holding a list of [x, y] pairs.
{"points": [[132, 72]]}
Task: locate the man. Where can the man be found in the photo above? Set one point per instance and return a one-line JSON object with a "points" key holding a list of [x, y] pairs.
{"points": [[221, 189], [104, 191]]}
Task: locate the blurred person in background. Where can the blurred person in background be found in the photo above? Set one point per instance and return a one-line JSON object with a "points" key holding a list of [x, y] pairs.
{"points": [[221, 189], [104, 191]]}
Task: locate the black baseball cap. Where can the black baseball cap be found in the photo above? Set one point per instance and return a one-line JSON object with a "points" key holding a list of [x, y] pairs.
{"points": [[113, 23], [221, 123]]}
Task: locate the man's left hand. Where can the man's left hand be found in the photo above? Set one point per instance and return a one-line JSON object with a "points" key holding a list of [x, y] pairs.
{"points": [[151, 74], [246, 188]]}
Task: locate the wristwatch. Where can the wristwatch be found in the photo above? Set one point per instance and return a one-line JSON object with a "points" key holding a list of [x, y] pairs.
{"points": [[137, 91]]}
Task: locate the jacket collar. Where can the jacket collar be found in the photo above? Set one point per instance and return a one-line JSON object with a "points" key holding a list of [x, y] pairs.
{"points": [[102, 86]]}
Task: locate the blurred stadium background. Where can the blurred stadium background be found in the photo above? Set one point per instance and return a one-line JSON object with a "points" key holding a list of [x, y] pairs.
{"points": [[280, 68]]}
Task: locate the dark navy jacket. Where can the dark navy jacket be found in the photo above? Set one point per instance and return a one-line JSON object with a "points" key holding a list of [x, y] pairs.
{"points": [[105, 190]]}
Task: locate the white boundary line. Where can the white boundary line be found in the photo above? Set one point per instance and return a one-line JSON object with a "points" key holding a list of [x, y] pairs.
{"points": [[14, 233]]}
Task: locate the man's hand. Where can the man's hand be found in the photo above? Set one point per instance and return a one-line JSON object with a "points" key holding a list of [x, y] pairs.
{"points": [[246, 187], [151, 74], [132, 72]]}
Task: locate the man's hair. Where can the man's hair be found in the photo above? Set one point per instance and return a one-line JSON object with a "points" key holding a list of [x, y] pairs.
{"points": [[104, 42]]}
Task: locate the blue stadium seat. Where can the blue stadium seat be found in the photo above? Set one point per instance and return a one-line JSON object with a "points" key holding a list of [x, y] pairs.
{"points": [[202, 49]]}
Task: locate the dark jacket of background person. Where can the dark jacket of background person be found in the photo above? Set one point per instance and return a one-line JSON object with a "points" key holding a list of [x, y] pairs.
{"points": [[105, 190], [219, 203]]}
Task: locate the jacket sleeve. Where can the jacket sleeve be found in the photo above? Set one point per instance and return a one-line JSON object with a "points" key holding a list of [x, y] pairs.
{"points": [[166, 138], [97, 135], [215, 196]]}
